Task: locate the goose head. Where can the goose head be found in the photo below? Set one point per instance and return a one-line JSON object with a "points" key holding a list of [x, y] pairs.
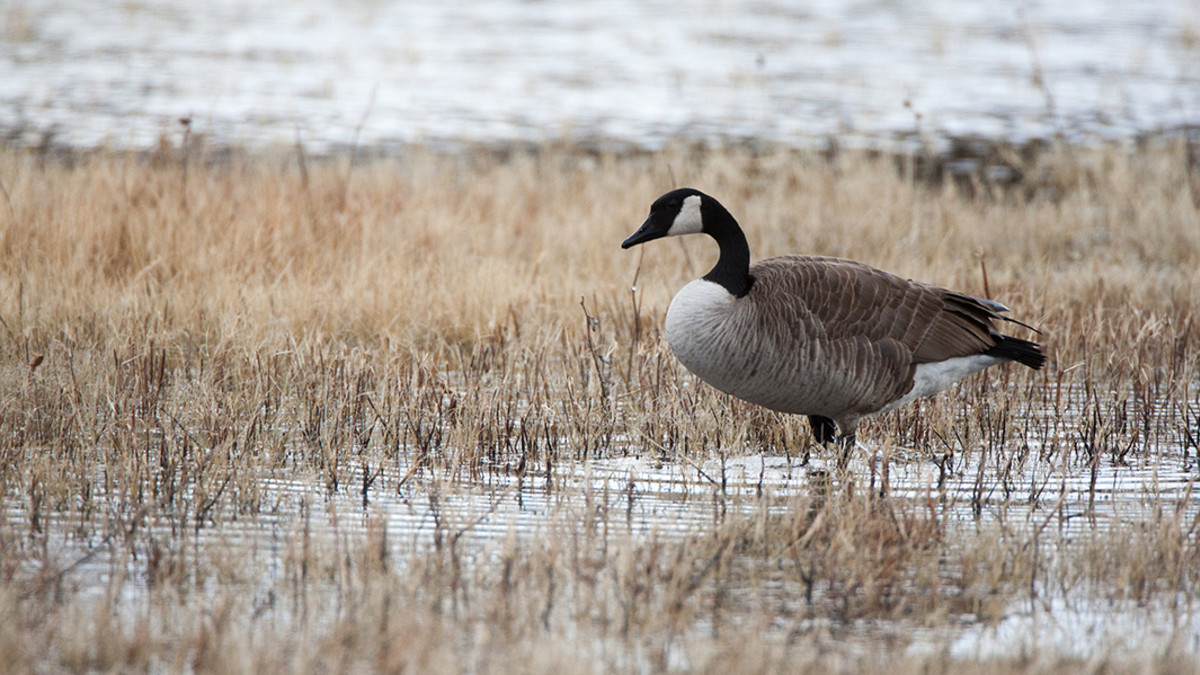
{"points": [[676, 213], [690, 211]]}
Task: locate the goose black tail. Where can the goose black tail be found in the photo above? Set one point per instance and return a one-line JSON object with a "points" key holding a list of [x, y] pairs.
{"points": [[1021, 351]]}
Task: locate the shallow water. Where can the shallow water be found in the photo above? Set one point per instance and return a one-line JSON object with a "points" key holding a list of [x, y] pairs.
{"points": [[643, 499], [81, 73]]}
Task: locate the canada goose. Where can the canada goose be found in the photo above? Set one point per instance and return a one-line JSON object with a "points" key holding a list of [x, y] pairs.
{"points": [[832, 339]]}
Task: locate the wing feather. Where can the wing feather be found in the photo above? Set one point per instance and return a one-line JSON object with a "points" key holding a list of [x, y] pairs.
{"points": [[872, 328]]}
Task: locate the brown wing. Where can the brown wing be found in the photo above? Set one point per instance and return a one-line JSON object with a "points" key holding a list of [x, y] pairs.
{"points": [[875, 327], [843, 299]]}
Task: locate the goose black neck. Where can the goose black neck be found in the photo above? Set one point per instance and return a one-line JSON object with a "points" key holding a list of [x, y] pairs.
{"points": [[732, 270]]}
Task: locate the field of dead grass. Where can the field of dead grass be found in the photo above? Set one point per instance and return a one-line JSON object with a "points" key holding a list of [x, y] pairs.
{"points": [[180, 334]]}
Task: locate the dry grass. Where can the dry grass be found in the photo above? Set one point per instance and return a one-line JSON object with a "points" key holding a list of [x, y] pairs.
{"points": [[176, 331]]}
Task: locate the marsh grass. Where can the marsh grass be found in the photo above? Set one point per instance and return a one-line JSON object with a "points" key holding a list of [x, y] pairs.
{"points": [[182, 334]]}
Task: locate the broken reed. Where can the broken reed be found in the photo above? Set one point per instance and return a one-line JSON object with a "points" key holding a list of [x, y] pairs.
{"points": [[176, 332]]}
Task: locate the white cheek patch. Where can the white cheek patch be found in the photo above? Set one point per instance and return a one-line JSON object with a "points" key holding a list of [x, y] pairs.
{"points": [[688, 221]]}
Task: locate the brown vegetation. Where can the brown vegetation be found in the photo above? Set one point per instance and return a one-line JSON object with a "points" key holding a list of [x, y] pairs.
{"points": [[213, 373]]}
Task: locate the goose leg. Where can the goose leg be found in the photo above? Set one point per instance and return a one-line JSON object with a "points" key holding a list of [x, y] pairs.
{"points": [[825, 432], [847, 443], [848, 439], [823, 429]]}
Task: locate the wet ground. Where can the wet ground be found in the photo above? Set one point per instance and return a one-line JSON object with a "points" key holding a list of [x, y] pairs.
{"points": [[645, 499]]}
